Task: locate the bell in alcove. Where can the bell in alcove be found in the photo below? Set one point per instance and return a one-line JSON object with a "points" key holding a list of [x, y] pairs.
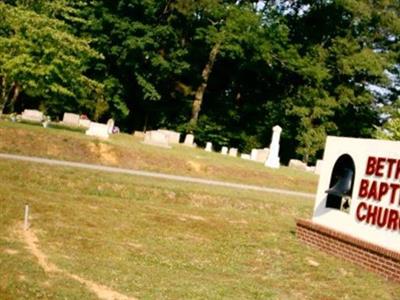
{"points": [[341, 184]]}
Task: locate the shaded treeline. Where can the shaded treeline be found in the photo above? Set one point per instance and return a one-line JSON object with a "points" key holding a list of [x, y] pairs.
{"points": [[226, 70]]}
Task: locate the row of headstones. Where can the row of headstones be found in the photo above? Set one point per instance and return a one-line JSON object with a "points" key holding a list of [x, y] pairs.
{"points": [[261, 155], [299, 165], [164, 138], [268, 156], [70, 119], [93, 128]]}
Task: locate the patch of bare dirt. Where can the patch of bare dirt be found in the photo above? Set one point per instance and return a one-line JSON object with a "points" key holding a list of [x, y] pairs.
{"points": [[102, 291], [104, 152], [11, 251], [194, 166], [185, 217]]}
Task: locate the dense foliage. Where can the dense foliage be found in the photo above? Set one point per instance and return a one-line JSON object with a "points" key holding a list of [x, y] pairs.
{"points": [[226, 70]]}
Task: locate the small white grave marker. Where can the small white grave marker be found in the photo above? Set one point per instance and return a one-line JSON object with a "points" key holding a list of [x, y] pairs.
{"points": [[208, 147], [233, 152], [224, 150], [189, 139]]}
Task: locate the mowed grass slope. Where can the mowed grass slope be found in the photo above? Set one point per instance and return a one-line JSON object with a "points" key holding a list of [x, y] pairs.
{"points": [[156, 239], [127, 151]]}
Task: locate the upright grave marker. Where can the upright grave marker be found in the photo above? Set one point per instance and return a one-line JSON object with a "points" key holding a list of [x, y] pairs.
{"points": [[357, 206], [189, 140], [71, 119], [209, 147], [273, 155]]}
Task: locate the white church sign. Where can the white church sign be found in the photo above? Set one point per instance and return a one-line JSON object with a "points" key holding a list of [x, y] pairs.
{"points": [[359, 190]]}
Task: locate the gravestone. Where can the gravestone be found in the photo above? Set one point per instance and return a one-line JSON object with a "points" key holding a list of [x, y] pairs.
{"points": [[259, 155], [98, 130], [208, 147], [253, 154], [245, 156], [224, 150], [156, 138], [85, 123], [173, 137], [189, 139], [273, 156], [32, 115], [233, 152], [110, 126], [262, 155], [298, 164], [71, 119], [139, 134]]}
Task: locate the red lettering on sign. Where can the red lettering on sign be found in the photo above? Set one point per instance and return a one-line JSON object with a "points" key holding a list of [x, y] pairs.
{"points": [[382, 218], [393, 222], [394, 187], [371, 214], [379, 166], [373, 191], [383, 189], [361, 206], [397, 175], [370, 165], [363, 191]]}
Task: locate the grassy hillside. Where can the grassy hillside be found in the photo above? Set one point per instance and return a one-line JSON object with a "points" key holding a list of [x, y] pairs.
{"points": [[127, 151], [155, 239]]}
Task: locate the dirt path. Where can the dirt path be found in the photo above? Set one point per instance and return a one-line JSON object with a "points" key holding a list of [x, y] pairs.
{"points": [[189, 179], [102, 291]]}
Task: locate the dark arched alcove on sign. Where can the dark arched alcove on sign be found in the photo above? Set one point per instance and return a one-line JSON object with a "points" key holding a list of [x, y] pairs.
{"points": [[341, 183]]}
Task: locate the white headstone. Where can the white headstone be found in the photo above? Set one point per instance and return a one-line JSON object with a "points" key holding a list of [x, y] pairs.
{"points": [[253, 154], [139, 134], [262, 155], [173, 137], [233, 152], [32, 115], [71, 119], [245, 156], [273, 156], [85, 123], [259, 155], [224, 150], [297, 164], [209, 147], [98, 130], [189, 139], [156, 138], [110, 126]]}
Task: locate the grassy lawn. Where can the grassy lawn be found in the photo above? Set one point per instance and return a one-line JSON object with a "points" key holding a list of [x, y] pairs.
{"points": [[156, 239], [127, 151]]}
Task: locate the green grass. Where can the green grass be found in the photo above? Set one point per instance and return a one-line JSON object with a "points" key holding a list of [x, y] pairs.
{"points": [[157, 239], [127, 151]]}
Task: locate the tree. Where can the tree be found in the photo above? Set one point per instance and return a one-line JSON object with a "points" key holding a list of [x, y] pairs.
{"points": [[352, 43], [41, 58]]}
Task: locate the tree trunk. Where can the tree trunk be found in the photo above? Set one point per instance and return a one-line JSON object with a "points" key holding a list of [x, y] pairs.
{"points": [[16, 91], [3, 95], [198, 97]]}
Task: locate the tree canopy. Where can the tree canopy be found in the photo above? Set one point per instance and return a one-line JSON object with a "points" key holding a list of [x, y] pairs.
{"points": [[226, 70]]}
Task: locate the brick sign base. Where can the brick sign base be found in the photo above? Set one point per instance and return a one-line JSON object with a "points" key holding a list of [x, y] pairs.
{"points": [[377, 259]]}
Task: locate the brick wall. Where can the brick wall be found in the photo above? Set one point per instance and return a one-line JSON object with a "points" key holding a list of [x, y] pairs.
{"points": [[375, 258]]}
